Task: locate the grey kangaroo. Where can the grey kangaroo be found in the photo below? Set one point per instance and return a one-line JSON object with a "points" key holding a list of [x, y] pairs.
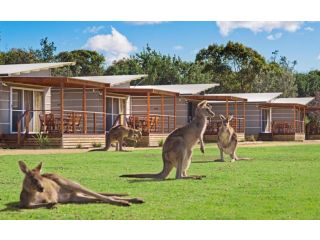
{"points": [[46, 190], [228, 140], [177, 148]]}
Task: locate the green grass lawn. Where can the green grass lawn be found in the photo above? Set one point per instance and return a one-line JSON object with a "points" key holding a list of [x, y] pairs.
{"points": [[279, 183]]}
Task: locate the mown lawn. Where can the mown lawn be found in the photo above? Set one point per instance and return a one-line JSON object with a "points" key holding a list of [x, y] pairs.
{"points": [[279, 183]]}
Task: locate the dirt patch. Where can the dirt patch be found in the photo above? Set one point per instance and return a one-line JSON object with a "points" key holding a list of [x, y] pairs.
{"points": [[71, 151]]}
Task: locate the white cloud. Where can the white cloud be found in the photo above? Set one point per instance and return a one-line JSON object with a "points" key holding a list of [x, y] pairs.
{"points": [[93, 29], [274, 36], [309, 29], [178, 47], [114, 46], [267, 26], [144, 22], [318, 57]]}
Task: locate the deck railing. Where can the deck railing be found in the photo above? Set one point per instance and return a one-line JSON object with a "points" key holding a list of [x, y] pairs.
{"points": [[214, 125], [157, 123], [87, 122], [287, 127], [313, 128], [52, 122]]}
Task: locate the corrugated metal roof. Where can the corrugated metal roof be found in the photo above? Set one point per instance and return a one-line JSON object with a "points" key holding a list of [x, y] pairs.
{"points": [[252, 97], [112, 80], [302, 100], [183, 89], [17, 69]]}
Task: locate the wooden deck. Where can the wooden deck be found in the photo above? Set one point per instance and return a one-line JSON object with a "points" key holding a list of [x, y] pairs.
{"points": [[55, 141]]}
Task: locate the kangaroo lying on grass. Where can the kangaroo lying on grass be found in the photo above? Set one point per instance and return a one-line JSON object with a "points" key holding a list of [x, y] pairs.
{"points": [[177, 148], [228, 139], [119, 134], [46, 190]]}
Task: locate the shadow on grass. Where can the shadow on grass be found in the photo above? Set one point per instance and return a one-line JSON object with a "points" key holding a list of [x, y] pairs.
{"points": [[149, 180], [208, 161], [104, 150], [11, 207], [220, 161], [191, 177]]}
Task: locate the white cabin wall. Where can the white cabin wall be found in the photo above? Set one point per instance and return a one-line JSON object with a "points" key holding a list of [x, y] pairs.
{"points": [[4, 108]]}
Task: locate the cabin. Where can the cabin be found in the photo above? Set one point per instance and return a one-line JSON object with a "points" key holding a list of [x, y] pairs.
{"points": [[283, 119], [269, 117], [70, 111], [78, 111], [225, 105], [176, 110]]}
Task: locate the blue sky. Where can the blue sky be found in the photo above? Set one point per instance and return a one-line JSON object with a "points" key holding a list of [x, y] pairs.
{"points": [[296, 40]]}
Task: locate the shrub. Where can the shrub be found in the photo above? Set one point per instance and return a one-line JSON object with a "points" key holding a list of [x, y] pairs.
{"points": [[96, 145], [42, 140], [160, 143], [79, 145], [251, 138]]}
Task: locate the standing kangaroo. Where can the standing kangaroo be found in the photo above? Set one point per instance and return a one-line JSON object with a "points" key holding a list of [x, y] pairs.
{"points": [[119, 134], [177, 148], [46, 190], [228, 140]]}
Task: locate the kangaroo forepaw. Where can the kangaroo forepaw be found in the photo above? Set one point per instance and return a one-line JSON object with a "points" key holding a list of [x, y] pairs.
{"points": [[123, 203], [136, 200], [51, 206]]}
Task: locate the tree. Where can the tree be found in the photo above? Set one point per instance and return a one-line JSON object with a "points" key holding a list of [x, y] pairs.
{"points": [[88, 63], [19, 56], [46, 53], [124, 66], [276, 78], [308, 83], [234, 65], [161, 69]]}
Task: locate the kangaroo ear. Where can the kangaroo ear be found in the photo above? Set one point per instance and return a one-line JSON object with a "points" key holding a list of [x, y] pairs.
{"points": [[23, 167], [222, 117], [202, 103], [38, 168], [230, 117]]}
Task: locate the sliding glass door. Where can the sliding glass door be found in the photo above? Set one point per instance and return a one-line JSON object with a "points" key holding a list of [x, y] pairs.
{"points": [[115, 106], [26, 100], [17, 108]]}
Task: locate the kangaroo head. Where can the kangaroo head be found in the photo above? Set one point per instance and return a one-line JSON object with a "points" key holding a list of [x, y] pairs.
{"points": [[137, 134], [33, 178], [204, 109], [226, 120]]}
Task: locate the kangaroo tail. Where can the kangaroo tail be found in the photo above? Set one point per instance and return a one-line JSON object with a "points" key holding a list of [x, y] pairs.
{"points": [[108, 142], [167, 167], [241, 158]]}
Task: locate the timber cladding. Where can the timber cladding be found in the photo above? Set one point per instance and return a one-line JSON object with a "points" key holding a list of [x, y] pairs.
{"points": [[253, 115], [139, 106], [4, 108], [83, 141]]}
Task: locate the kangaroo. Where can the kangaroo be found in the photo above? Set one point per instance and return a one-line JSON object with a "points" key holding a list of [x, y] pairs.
{"points": [[119, 134], [46, 190], [228, 140], [177, 148]]}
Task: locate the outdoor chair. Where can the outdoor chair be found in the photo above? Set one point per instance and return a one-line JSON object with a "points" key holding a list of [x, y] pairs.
{"points": [[47, 122]]}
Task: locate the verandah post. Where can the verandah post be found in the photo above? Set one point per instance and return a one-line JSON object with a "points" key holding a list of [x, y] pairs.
{"points": [[227, 107], [244, 116], [61, 107], [84, 109], [294, 118], [148, 111], [174, 112], [162, 113], [104, 110], [236, 114]]}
